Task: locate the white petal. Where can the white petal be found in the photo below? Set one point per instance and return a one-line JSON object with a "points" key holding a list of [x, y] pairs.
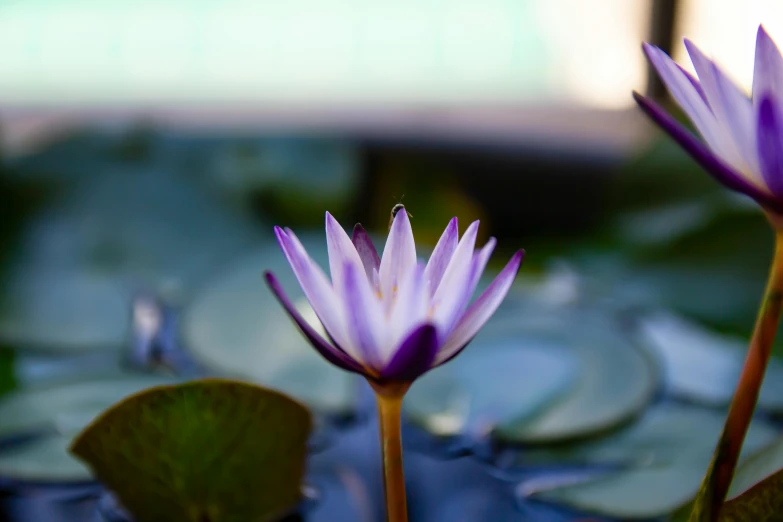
{"points": [[365, 324], [411, 308], [399, 255], [453, 293], [481, 310], [315, 285], [686, 95], [734, 112], [341, 251], [442, 254], [768, 68]]}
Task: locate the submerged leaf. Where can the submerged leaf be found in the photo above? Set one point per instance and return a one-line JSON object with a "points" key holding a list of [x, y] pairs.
{"points": [[206, 451]]}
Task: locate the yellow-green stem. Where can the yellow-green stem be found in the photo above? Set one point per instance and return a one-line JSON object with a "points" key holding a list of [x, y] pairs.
{"points": [[715, 485], [389, 401]]}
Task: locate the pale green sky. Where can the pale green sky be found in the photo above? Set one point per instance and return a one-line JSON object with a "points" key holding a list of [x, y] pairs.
{"points": [[280, 51]]}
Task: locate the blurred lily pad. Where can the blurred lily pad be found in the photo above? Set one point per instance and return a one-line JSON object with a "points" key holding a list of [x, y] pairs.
{"points": [[567, 374], [67, 310], [104, 238], [616, 381], [212, 450], [659, 464], [236, 327], [704, 366], [496, 383], [46, 419]]}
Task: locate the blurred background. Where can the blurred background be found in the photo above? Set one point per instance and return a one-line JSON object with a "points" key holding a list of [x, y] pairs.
{"points": [[147, 149]]}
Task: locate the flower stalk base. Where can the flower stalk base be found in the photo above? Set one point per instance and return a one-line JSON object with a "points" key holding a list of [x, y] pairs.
{"points": [[715, 485]]}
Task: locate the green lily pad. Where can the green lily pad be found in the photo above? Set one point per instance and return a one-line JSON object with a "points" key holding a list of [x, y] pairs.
{"points": [[704, 366], [575, 375], [236, 327], [55, 414], [662, 460], [70, 285], [68, 310], [616, 381], [44, 459], [496, 383], [206, 451]]}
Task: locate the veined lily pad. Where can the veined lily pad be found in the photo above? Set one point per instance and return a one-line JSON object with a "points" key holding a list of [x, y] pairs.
{"points": [[568, 375], [236, 327], [663, 459], [704, 366], [49, 417], [211, 450]]}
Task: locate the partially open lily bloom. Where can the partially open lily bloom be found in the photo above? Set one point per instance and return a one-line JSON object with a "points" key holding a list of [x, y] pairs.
{"points": [[742, 135], [392, 318]]}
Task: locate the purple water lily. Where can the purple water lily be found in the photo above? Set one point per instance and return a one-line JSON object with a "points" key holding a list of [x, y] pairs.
{"points": [[742, 135], [392, 318]]}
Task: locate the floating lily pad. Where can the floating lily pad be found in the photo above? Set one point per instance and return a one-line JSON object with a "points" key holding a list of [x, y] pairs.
{"points": [[569, 374], [49, 417], [213, 450], [497, 382], [69, 310], [704, 366], [236, 327], [81, 261], [662, 460], [616, 381], [44, 459]]}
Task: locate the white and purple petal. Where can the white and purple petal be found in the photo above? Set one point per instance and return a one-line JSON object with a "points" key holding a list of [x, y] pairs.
{"points": [[365, 323], [734, 112], [683, 89], [413, 357], [314, 283], [410, 309], [327, 351], [768, 69], [341, 250], [366, 250], [710, 161], [770, 143], [399, 255], [453, 294], [480, 311], [480, 260], [441, 255]]}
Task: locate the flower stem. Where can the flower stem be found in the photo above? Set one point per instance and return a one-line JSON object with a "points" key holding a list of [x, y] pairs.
{"points": [[715, 485], [389, 415]]}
